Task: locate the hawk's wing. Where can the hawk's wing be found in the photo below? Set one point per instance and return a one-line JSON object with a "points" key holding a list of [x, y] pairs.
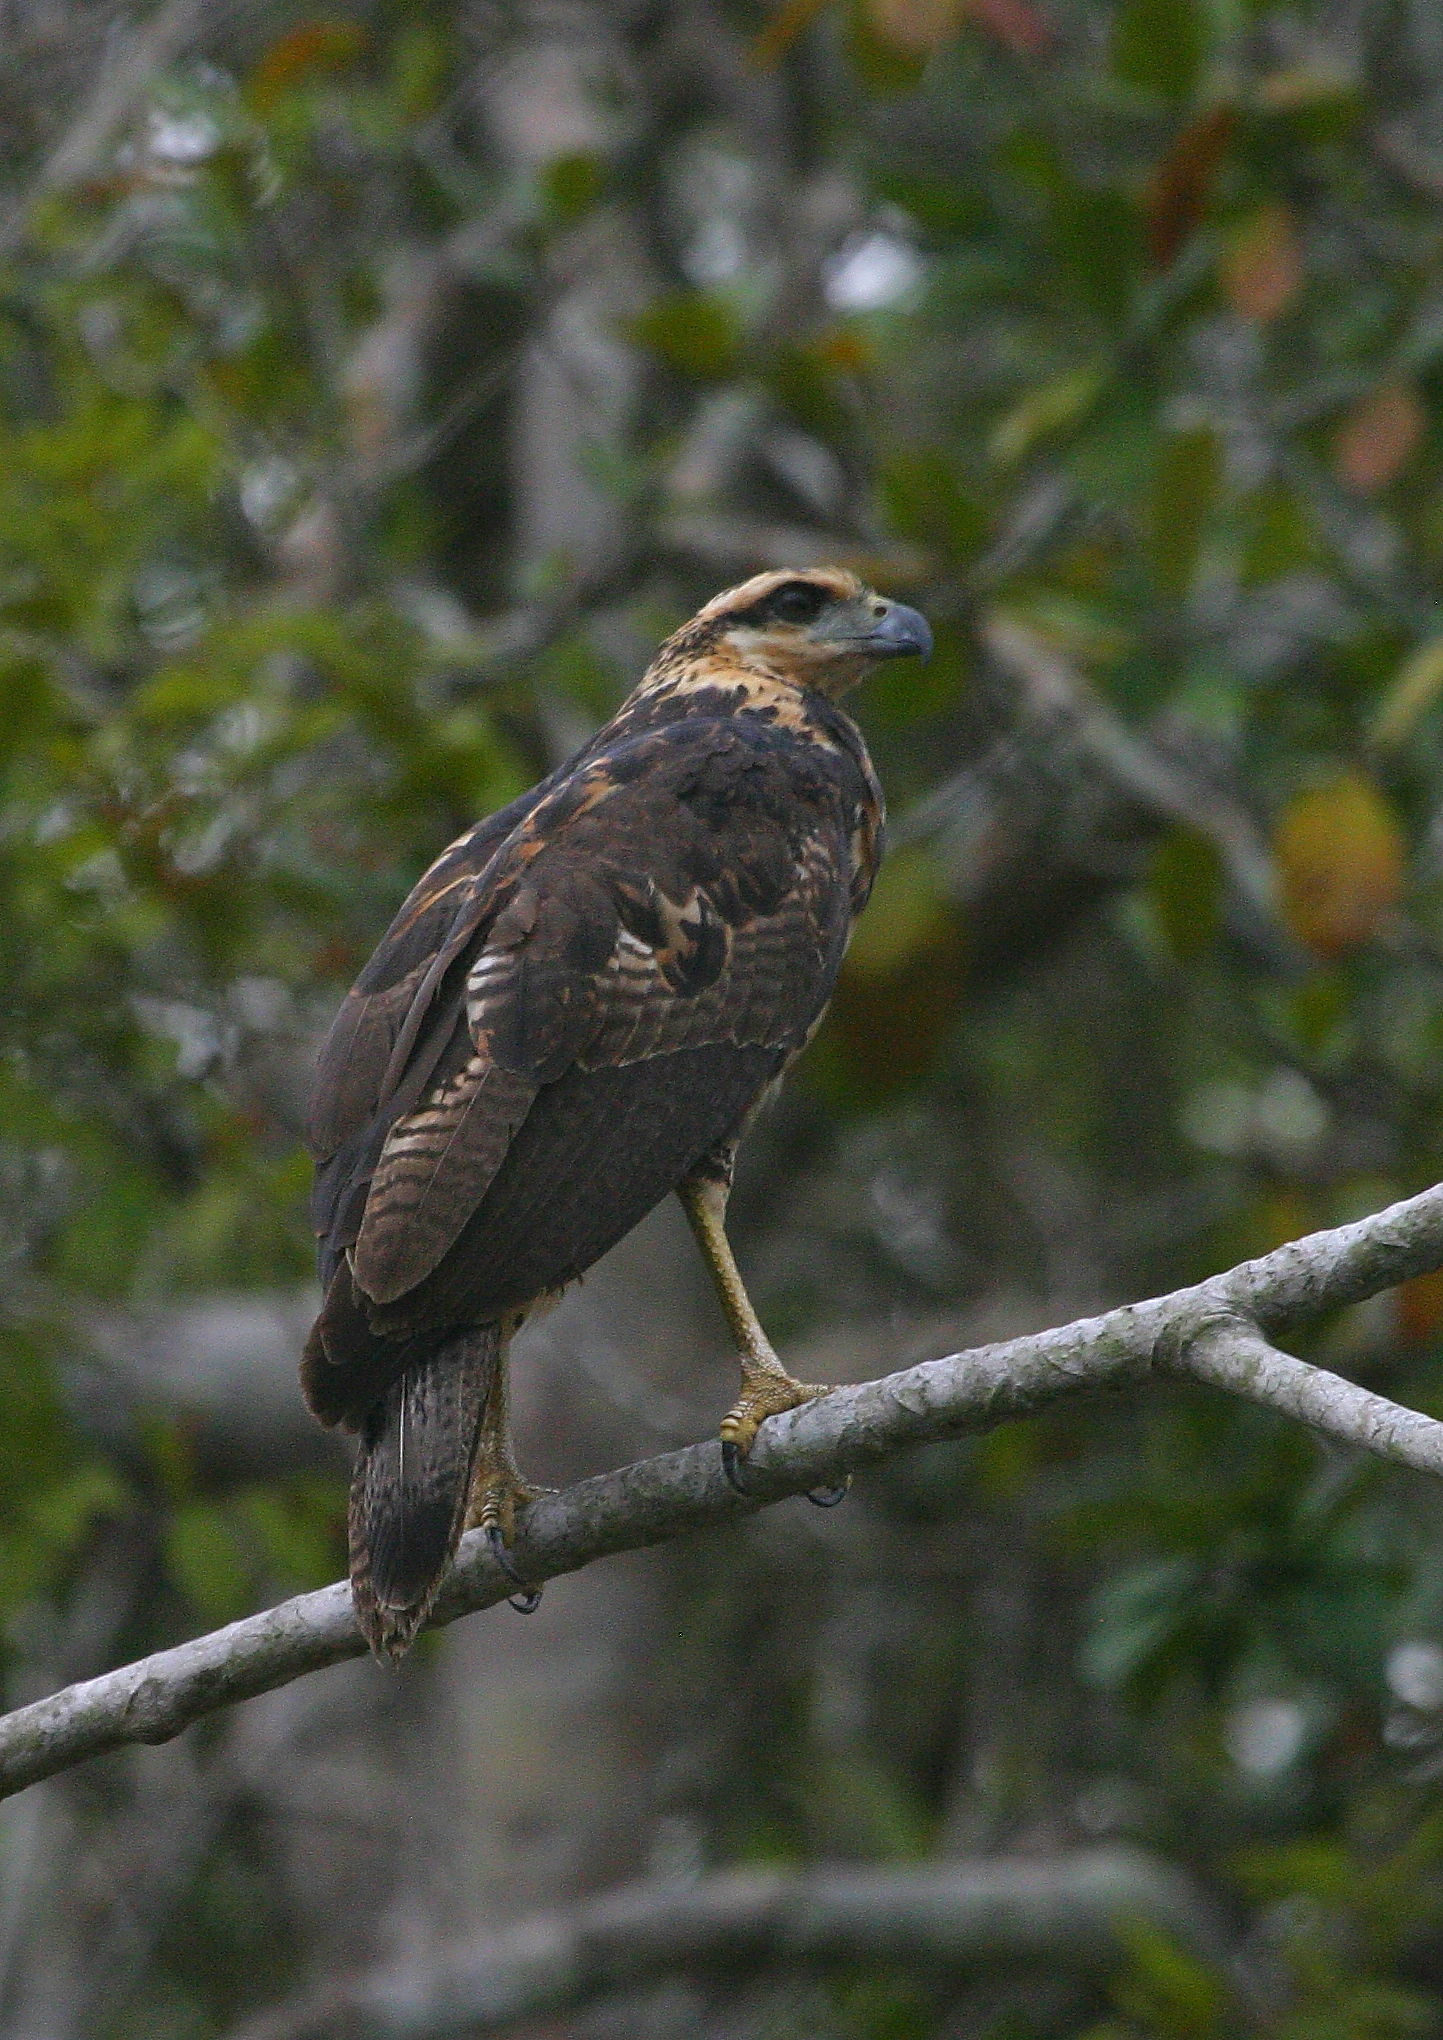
{"points": [[679, 904], [395, 1025]]}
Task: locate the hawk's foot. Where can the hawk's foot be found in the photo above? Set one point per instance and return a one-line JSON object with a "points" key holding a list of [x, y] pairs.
{"points": [[497, 1492], [527, 1599], [767, 1393]]}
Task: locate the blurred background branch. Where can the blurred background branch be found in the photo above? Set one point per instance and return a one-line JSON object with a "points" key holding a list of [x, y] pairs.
{"points": [[1074, 1911]]}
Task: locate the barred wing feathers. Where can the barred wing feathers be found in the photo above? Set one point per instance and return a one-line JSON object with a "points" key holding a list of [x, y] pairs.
{"points": [[606, 997]]}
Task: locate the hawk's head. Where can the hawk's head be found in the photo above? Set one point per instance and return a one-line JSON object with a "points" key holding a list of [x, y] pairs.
{"points": [[817, 627]]}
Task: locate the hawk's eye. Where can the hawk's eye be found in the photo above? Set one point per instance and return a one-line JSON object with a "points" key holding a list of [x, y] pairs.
{"points": [[797, 602]]}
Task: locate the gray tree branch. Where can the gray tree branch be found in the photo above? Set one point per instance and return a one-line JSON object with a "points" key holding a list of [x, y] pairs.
{"points": [[1230, 1353], [1071, 1910], [1217, 1330]]}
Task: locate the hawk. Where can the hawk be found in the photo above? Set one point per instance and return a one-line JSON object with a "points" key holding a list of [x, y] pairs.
{"points": [[578, 1009]]}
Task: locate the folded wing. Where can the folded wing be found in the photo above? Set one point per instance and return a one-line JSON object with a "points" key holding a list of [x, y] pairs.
{"points": [[558, 1035]]}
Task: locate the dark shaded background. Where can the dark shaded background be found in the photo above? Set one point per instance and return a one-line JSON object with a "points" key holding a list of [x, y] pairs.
{"points": [[377, 385]]}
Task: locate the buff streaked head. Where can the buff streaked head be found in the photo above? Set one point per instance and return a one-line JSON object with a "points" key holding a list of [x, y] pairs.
{"points": [[816, 627]]}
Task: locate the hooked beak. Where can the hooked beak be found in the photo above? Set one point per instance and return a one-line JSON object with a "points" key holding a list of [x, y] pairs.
{"points": [[900, 631]]}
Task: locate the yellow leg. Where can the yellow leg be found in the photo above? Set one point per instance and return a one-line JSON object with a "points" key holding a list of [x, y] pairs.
{"points": [[767, 1388], [497, 1488]]}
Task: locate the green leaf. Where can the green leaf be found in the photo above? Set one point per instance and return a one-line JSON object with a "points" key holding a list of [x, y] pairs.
{"points": [[1278, 534], [298, 1530], [206, 1562], [884, 66], [1097, 239], [1170, 1988], [63, 1512], [692, 331], [1185, 889], [419, 62], [1133, 1616], [1158, 46], [926, 501], [571, 185], [1185, 487]]}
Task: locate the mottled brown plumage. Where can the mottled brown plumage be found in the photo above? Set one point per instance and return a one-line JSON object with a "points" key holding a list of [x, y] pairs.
{"points": [[576, 1011]]}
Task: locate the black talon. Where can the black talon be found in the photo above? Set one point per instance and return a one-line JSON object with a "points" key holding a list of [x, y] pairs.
{"points": [[828, 1497], [732, 1463], [528, 1600]]}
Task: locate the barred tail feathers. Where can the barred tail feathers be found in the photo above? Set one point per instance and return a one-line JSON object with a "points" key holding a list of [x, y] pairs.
{"points": [[411, 1482]]}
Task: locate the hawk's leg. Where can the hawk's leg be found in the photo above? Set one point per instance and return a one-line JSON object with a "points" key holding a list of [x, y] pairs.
{"points": [[497, 1489], [767, 1388]]}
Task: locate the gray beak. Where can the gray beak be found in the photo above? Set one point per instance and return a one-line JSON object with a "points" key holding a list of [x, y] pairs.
{"points": [[900, 631]]}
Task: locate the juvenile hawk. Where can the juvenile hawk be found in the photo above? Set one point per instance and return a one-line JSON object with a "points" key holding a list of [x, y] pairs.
{"points": [[577, 1010]]}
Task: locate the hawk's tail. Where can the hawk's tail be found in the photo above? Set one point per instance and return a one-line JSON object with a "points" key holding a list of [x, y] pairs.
{"points": [[409, 1489]]}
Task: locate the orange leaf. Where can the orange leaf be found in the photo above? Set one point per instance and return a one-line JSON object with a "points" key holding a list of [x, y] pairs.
{"points": [[844, 350], [308, 47], [1420, 1308], [1377, 437], [1341, 859], [918, 27], [1017, 25], [772, 42], [1181, 185], [1263, 269]]}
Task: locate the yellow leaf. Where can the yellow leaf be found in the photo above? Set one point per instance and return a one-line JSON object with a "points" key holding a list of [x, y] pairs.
{"points": [[1315, 81], [916, 26], [909, 912], [1414, 689], [1341, 861], [1051, 408], [902, 983], [1263, 269], [1278, 1217]]}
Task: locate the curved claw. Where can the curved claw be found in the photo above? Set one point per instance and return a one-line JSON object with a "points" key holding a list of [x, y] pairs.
{"points": [[528, 1599], [733, 1460]]}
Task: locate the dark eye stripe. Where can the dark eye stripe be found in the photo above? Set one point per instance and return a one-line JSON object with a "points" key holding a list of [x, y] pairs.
{"points": [[793, 602]]}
